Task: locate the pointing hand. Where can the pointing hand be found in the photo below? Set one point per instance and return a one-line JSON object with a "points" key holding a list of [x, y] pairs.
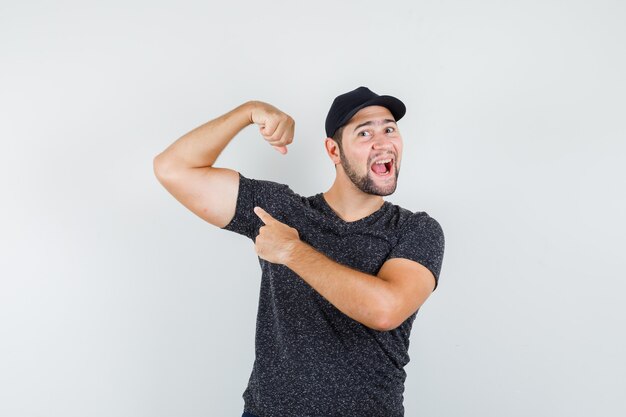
{"points": [[276, 241]]}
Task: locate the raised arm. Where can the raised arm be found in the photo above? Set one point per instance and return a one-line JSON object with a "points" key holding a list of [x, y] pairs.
{"points": [[185, 168]]}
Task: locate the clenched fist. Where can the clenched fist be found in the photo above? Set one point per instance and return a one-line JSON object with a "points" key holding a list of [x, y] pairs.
{"points": [[275, 126]]}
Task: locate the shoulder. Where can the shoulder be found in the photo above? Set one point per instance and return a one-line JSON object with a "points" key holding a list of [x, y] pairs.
{"points": [[425, 231], [425, 224], [261, 185], [424, 220], [407, 219], [274, 197], [417, 223], [266, 190]]}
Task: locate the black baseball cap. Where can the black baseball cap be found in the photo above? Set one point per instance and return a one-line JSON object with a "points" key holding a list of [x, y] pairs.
{"points": [[348, 104]]}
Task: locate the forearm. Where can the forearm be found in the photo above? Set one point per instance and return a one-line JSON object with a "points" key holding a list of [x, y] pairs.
{"points": [[363, 297], [202, 146]]}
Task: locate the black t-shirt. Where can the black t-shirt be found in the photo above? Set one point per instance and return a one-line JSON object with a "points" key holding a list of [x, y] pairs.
{"points": [[312, 359]]}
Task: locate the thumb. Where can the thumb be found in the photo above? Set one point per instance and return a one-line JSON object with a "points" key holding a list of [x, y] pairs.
{"points": [[281, 149]]}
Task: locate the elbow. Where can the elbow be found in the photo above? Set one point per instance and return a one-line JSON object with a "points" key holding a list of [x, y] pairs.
{"points": [[157, 165], [161, 167], [385, 323], [387, 317]]}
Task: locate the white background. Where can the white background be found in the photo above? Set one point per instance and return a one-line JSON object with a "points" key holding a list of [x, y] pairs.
{"points": [[117, 301]]}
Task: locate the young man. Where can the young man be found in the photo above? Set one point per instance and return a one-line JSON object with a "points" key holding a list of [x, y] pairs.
{"points": [[343, 272]]}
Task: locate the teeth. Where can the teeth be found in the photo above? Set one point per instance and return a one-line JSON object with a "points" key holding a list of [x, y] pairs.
{"points": [[383, 161]]}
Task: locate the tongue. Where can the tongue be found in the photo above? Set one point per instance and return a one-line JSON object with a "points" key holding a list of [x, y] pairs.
{"points": [[379, 168]]}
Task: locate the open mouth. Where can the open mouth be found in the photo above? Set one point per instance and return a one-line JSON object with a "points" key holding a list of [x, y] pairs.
{"points": [[383, 167]]}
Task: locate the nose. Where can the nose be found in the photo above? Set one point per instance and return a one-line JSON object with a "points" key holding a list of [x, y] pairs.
{"points": [[381, 142]]}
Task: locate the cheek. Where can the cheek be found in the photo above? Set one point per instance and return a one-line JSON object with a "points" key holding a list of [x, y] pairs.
{"points": [[399, 149], [399, 156], [365, 161], [358, 156]]}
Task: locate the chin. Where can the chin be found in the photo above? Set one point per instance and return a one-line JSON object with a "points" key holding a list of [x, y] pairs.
{"points": [[374, 188], [384, 193]]}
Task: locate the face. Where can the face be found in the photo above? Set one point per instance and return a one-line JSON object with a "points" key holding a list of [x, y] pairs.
{"points": [[372, 135]]}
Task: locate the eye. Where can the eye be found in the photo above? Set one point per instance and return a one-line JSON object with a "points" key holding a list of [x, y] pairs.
{"points": [[363, 133], [390, 130]]}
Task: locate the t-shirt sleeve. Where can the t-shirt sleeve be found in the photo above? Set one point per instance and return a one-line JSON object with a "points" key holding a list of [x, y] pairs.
{"points": [[421, 240], [253, 192]]}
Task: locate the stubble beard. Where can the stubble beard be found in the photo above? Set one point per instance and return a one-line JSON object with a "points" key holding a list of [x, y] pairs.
{"points": [[366, 183]]}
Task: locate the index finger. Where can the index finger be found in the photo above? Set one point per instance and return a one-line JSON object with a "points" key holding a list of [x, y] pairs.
{"points": [[263, 215]]}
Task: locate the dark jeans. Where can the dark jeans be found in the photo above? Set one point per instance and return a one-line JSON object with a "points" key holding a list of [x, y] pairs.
{"points": [[245, 414]]}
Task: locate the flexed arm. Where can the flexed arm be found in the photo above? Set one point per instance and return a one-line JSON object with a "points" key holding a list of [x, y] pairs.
{"points": [[185, 168]]}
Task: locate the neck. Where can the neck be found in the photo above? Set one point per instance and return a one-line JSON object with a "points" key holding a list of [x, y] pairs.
{"points": [[349, 202]]}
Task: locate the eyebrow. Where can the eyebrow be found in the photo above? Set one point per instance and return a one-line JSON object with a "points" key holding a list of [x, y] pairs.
{"points": [[371, 122]]}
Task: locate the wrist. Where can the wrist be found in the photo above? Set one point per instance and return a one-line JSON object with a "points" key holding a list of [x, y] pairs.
{"points": [[249, 107], [298, 249]]}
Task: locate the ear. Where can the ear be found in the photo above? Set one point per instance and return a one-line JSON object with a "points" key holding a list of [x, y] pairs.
{"points": [[332, 149]]}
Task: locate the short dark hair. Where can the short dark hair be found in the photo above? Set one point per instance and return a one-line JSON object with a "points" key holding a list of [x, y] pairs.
{"points": [[338, 136]]}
